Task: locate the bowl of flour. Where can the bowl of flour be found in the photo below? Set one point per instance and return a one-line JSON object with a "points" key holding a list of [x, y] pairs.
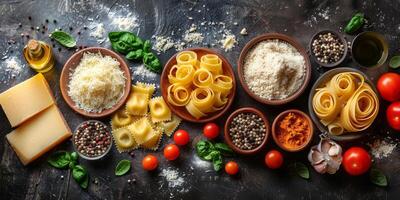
{"points": [[274, 69]]}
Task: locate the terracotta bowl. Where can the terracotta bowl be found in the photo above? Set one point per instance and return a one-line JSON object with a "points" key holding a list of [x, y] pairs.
{"points": [[320, 81], [279, 118], [181, 111], [228, 138], [341, 38], [284, 38], [73, 62]]}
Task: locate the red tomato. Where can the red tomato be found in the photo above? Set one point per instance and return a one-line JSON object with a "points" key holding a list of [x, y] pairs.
{"points": [[149, 162], [171, 152], [356, 161], [388, 86], [393, 115], [181, 137], [274, 159], [231, 168], [211, 130]]}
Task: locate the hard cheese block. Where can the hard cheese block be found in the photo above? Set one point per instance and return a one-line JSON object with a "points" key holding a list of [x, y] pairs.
{"points": [[39, 134], [26, 99]]}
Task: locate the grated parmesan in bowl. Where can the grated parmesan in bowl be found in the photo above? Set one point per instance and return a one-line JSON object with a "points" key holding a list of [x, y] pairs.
{"points": [[97, 83]]}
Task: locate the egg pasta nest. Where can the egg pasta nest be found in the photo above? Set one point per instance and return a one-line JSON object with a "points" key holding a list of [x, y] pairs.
{"points": [[346, 103], [198, 85], [142, 122]]}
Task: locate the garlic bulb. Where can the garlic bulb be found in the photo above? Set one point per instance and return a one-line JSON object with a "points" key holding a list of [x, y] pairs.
{"points": [[326, 156]]}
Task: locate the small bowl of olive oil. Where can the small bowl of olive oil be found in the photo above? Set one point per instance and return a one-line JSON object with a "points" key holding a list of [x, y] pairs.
{"points": [[369, 49]]}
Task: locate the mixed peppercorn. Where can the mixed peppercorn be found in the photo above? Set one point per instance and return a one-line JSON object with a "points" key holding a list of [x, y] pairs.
{"points": [[92, 139], [328, 48], [247, 131]]}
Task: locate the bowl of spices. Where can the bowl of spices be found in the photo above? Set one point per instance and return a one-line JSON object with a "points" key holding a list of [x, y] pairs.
{"points": [[246, 130], [328, 48], [92, 140], [292, 130], [274, 69]]}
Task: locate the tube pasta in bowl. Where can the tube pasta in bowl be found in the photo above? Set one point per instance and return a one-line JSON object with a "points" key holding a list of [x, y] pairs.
{"points": [[200, 86], [346, 103]]}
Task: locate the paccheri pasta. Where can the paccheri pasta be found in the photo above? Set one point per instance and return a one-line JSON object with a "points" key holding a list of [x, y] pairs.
{"points": [[143, 120], [346, 103], [199, 86]]}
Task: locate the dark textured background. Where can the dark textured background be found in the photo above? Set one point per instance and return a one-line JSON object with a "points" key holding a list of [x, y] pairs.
{"points": [[299, 18]]}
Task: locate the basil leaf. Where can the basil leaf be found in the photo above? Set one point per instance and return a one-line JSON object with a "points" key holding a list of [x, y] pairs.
{"points": [[395, 62], [74, 156], [211, 155], [203, 148], [79, 173], [223, 148], [300, 169], [377, 177], [355, 23], [151, 62], [217, 161], [114, 36], [59, 159], [146, 46], [135, 55], [123, 167], [63, 38], [84, 184], [121, 47], [72, 164]]}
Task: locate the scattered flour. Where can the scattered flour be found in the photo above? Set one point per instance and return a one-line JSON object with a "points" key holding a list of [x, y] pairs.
{"points": [[12, 67], [172, 177], [142, 72], [381, 148], [98, 32], [228, 42]]}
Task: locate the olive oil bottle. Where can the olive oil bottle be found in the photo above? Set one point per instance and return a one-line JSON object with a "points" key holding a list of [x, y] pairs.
{"points": [[39, 55]]}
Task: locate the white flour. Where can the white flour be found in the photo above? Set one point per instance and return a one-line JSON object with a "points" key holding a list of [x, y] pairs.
{"points": [[11, 68], [382, 148]]}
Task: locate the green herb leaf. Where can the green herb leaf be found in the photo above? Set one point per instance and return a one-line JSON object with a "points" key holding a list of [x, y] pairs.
{"points": [[72, 164], [81, 176], [79, 173], [223, 148], [203, 148], [74, 156], [377, 177], [355, 23], [151, 62], [123, 167], [211, 155], [135, 55], [300, 169], [63, 38], [114, 36], [395, 62], [147, 46], [217, 161], [59, 159]]}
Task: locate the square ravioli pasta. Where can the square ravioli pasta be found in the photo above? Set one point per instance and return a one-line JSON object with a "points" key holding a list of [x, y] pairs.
{"points": [[159, 110]]}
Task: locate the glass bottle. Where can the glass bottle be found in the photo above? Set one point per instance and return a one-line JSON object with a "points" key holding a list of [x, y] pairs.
{"points": [[39, 55]]}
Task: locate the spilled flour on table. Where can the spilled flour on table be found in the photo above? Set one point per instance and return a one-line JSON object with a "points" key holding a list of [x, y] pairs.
{"points": [[175, 181], [142, 72], [382, 148], [11, 68]]}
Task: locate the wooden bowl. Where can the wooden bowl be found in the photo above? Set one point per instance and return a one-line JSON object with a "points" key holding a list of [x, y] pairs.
{"points": [[319, 83], [340, 37], [285, 38], [279, 119], [181, 111], [73, 62], [228, 138]]}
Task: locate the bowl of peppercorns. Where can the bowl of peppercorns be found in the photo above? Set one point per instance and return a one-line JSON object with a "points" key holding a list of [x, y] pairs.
{"points": [[328, 48], [92, 140], [246, 131]]}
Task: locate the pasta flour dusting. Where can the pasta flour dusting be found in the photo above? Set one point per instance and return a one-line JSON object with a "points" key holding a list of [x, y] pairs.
{"points": [[274, 69]]}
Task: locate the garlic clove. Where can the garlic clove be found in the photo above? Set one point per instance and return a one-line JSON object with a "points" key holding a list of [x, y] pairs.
{"points": [[314, 156], [321, 168], [325, 145], [334, 150], [333, 166]]}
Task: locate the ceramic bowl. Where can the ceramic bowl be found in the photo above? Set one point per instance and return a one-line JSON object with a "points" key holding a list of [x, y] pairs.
{"points": [[322, 80], [285, 38], [73, 62], [228, 138], [341, 38], [181, 111], [279, 118]]}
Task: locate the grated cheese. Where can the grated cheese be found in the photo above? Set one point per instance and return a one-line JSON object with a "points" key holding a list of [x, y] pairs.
{"points": [[97, 83]]}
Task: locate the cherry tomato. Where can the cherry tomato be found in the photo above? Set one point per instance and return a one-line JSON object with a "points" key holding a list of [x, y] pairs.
{"points": [[274, 159], [211, 130], [393, 115], [181, 137], [356, 161], [171, 152], [231, 168], [149, 162], [388, 86]]}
